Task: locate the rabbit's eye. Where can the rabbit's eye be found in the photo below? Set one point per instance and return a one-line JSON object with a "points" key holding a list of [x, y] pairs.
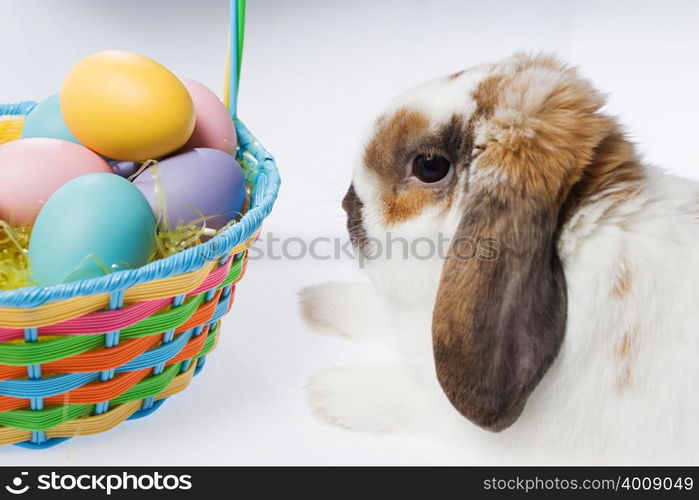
{"points": [[430, 168]]}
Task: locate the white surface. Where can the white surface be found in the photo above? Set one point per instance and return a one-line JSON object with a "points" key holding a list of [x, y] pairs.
{"points": [[314, 73]]}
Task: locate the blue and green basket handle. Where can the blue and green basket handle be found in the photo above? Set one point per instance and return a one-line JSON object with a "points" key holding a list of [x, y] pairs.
{"points": [[234, 57]]}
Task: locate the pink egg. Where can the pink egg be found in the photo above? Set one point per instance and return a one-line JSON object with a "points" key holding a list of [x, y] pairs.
{"points": [[32, 169], [214, 127]]}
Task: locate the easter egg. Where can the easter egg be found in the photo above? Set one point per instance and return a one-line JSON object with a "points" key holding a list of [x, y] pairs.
{"points": [[91, 226], [45, 120], [32, 169], [214, 127], [126, 106], [199, 183], [125, 168]]}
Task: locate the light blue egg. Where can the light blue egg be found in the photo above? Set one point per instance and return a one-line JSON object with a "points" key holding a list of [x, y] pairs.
{"points": [[46, 120], [92, 225]]}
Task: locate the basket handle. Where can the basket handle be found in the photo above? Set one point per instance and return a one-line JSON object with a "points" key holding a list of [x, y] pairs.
{"points": [[234, 55]]}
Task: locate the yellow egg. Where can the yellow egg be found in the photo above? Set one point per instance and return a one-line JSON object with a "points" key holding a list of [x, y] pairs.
{"points": [[126, 106]]}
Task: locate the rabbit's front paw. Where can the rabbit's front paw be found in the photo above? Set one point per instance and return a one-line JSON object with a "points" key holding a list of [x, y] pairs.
{"points": [[344, 309], [375, 398]]}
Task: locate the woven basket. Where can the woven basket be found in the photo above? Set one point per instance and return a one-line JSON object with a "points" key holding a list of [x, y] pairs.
{"points": [[80, 358]]}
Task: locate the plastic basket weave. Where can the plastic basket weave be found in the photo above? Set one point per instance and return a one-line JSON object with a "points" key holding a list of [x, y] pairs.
{"points": [[80, 358]]}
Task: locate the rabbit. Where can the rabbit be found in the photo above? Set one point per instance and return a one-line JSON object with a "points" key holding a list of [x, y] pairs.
{"points": [[568, 327]]}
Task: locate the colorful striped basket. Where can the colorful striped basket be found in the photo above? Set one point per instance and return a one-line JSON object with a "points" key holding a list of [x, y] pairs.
{"points": [[80, 358]]}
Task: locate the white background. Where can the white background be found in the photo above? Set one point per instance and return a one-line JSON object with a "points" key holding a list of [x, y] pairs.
{"points": [[314, 74]]}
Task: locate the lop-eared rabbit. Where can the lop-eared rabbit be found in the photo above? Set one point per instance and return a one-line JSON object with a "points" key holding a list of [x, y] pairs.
{"points": [[573, 329]]}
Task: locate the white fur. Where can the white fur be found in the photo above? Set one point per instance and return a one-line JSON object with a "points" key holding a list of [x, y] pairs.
{"points": [[582, 411]]}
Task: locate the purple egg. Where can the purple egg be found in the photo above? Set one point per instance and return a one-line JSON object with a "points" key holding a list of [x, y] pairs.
{"points": [[201, 181], [125, 168]]}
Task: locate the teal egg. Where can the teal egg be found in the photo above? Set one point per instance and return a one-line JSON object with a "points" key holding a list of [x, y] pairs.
{"points": [[45, 120], [91, 226]]}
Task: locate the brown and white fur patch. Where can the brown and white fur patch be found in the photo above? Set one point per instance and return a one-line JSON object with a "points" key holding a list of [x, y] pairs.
{"points": [[581, 336]]}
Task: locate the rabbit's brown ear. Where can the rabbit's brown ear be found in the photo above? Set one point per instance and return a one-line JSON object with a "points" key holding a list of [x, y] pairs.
{"points": [[498, 324]]}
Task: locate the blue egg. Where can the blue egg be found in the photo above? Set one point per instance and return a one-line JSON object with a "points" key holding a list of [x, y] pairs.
{"points": [[91, 226], [45, 120]]}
